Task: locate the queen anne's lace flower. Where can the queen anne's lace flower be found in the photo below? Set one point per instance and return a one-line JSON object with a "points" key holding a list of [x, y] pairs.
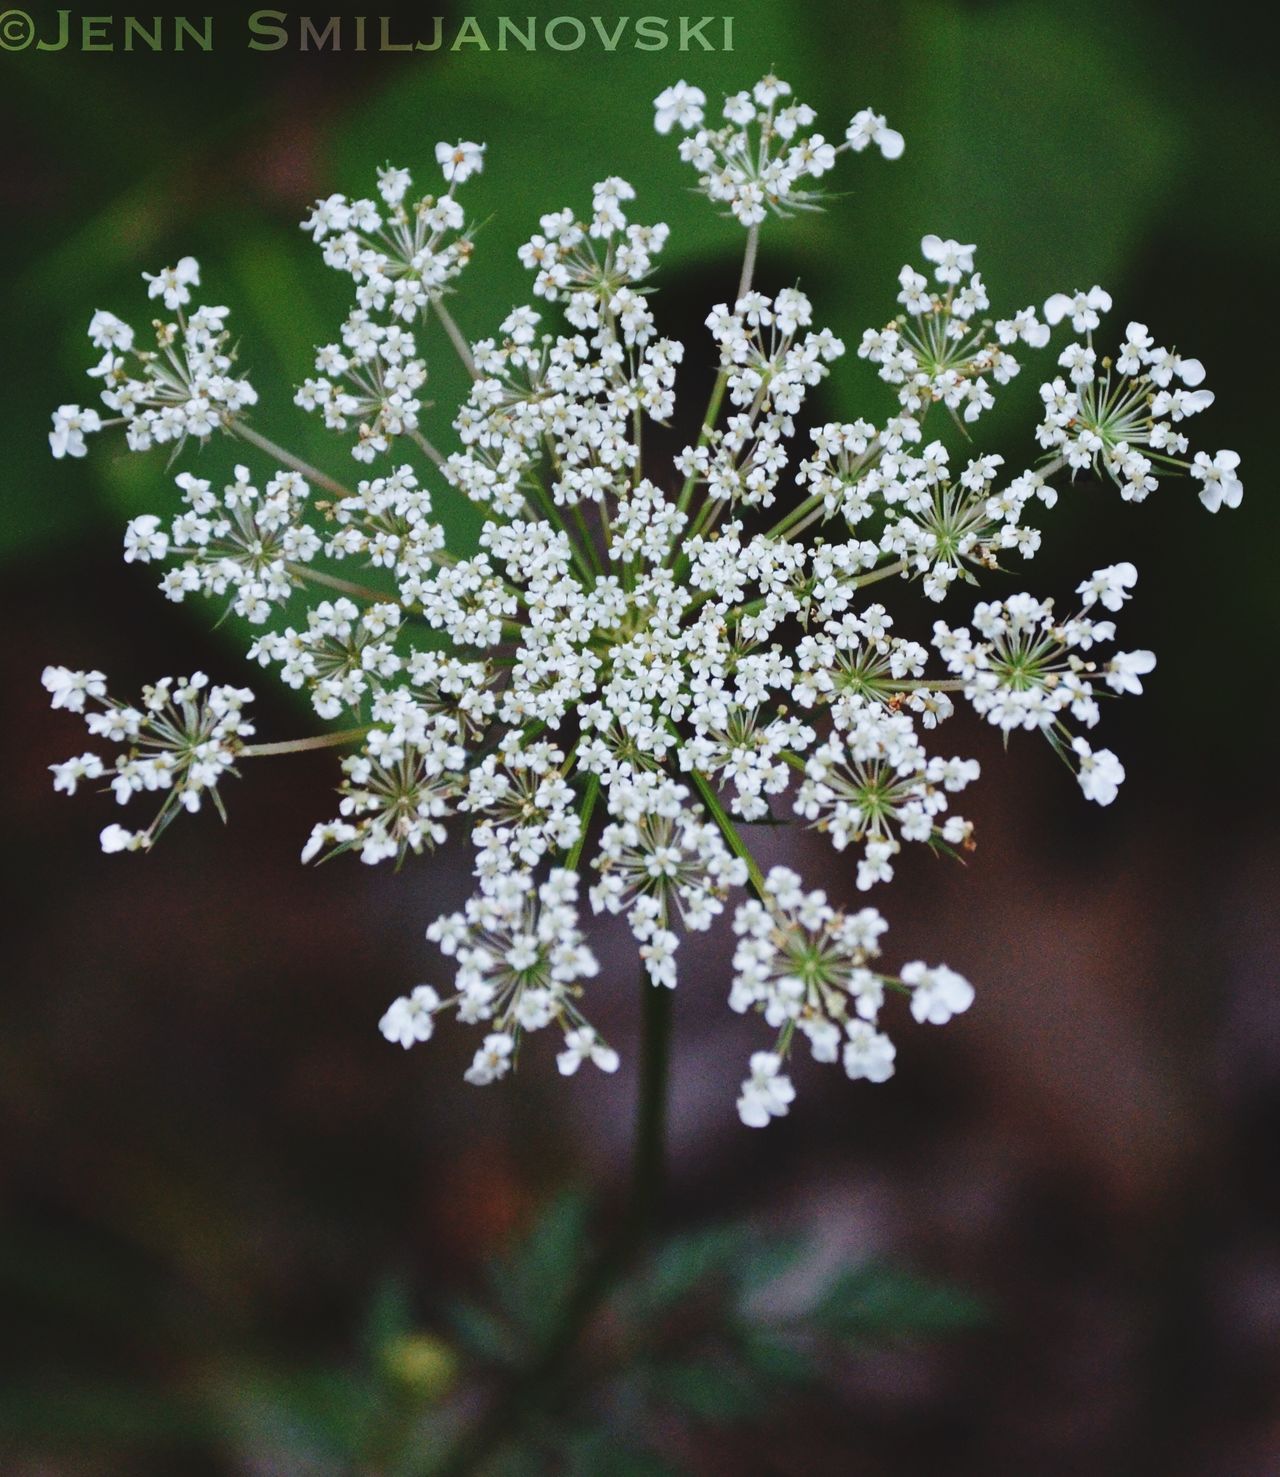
{"points": [[243, 543], [637, 656], [179, 742], [662, 866], [183, 387], [873, 783]]}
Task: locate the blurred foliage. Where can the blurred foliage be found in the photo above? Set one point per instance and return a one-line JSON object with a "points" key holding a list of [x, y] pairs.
{"points": [[715, 1327]]}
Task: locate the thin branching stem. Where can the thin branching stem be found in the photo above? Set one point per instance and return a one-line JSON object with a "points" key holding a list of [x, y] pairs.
{"points": [[722, 379], [433, 454], [455, 337], [336, 582], [286, 458], [730, 832], [300, 746]]}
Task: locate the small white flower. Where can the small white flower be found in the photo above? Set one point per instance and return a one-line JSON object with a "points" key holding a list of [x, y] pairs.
{"points": [[1100, 773], [951, 260], [71, 424], [868, 1054], [68, 689], [582, 1045], [393, 184], [145, 540], [937, 994], [1111, 586], [868, 127], [173, 284], [1126, 669], [1219, 484], [1084, 308], [492, 1060], [411, 1018], [106, 331], [67, 776], [767, 1093], [460, 161], [678, 105], [117, 838]]}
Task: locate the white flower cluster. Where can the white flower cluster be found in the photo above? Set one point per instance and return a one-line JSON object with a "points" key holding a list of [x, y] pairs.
{"points": [[872, 782], [179, 742], [640, 656], [521, 958], [402, 259], [243, 541], [804, 966], [1121, 416], [761, 159], [661, 863], [183, 387], [768, 369]]}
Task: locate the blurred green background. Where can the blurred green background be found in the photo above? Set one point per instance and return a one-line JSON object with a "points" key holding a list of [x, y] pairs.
{"points": [[228, 1218]]}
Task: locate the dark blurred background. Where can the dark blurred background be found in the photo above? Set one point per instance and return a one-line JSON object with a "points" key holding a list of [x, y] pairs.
{"points": [[213, 1171]]}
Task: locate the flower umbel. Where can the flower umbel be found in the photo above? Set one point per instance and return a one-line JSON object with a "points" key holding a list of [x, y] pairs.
{"points": [[178, 742], [639, 659]]}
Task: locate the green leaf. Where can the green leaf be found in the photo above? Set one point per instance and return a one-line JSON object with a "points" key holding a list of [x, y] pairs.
{"points": [[778, 1361], [517, 1462], [320, 1415], [767, 1260], [877, 1303], [711, 1390], [485, 1335], [389, 1315], [66, 1414], [592, 1453], [684, 1265], [532, 1283]]}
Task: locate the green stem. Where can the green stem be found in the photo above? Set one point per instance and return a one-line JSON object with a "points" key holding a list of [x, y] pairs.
{"points": [[708, 426], [722, 379], [298, 746], [876, 575], [345, 587], [512, 629], [796, 515], [589, 798], [749, 260], [587, 546], [648, 1172], [547, 505], [730, 832], [706, 513], [509, 1413], [286, 458], [455, 337], [432, 453]]}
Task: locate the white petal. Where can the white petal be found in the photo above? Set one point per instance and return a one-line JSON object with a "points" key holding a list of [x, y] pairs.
{"points": [[1057, 307]]}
